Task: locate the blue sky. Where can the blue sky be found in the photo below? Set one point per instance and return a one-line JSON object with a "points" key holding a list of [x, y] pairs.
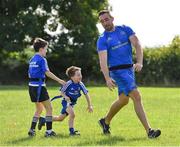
{"points": [[155, 22]]}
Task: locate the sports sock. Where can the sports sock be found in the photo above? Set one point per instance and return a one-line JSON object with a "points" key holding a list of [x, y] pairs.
{"points": [[34, 122], [48, 122]]}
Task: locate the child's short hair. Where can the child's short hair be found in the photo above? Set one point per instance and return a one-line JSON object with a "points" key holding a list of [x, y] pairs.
{"points": [[70, 72], [39, 43]]}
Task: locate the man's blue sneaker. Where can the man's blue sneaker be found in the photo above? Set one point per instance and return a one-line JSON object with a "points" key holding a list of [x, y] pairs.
{"points": [[154, 133], [41, 123], [104, 126]]}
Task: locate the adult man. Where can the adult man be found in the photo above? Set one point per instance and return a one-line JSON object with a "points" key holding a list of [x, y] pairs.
{"points": [[115, 56]]}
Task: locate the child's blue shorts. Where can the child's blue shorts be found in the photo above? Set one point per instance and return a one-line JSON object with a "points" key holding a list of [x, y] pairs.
{"points": [[125, 80], [64, 106]]}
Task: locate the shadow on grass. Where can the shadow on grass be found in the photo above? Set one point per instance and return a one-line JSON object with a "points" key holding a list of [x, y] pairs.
{"points": [[111, 140], [137, 139], [20, 140], [108, 140], [59, 136], [26, 139]]}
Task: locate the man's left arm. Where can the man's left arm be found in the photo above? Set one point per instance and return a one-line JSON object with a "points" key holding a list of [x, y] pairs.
{"points": [[139, 52]]}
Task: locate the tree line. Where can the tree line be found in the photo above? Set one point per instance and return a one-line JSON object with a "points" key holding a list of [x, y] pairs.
{"points": [[70, 28]]}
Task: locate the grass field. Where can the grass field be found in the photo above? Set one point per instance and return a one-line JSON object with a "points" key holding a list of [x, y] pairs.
{"points": [[162, 106]]}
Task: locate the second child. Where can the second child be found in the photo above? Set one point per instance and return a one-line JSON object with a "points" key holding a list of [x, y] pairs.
{"points": [[70, 92]]}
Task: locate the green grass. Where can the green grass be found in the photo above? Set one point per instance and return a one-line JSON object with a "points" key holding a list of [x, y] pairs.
{"points": [[162, 106]]}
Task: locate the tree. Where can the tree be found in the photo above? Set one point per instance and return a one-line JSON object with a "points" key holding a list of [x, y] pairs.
{"points": [[21, 21], [69, 26]]}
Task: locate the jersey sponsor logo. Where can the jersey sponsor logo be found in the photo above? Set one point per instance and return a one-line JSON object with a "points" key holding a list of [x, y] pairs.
{"points": [[33, 64], [74, 93], [119, 45]]}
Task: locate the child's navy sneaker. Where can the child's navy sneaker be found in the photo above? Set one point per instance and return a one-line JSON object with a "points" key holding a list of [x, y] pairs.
{"points": [[32, 132], [75, 133], [52, 133]]}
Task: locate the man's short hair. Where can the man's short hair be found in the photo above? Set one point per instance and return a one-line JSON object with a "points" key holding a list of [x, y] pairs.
{"points": [[70, 72], [103, 12], [39, 43]]}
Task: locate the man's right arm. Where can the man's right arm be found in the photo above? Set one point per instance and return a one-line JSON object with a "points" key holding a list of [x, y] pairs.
{"points": [[104, 69], [103, 64]]}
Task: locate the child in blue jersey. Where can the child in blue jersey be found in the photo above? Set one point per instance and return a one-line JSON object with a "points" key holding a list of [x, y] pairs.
{"points": [[71, 91], [38, 68]]}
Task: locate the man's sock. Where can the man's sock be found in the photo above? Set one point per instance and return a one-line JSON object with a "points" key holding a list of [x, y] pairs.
{"points": [[49, 122], [34, 122]]}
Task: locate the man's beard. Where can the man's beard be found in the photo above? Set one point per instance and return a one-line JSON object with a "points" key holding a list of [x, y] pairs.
{"points": [[109, 28]]}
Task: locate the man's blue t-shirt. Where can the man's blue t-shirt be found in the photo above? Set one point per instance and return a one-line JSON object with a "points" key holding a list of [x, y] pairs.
{"points": [[37, 68], [117, 45], [73, 90]]}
